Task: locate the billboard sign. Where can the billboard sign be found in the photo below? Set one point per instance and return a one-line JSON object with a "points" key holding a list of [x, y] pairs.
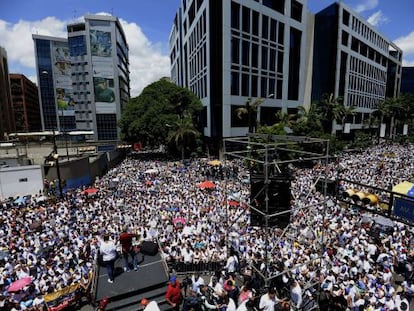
{"points": [[101, 44], [404, 209], [62, 79]]}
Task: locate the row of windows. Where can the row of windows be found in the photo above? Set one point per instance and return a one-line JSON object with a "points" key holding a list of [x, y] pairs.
{"points": [[268, 58], [77, 46], [363, 100], [199, 87], [368, 34], [244, 84], [106, 126], [268, 28], [367, 51], [366, 70], [198, 60], [199, 32]]}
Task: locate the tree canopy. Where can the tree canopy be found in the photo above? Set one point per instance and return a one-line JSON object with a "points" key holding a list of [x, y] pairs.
{"points": [[150, 117]]}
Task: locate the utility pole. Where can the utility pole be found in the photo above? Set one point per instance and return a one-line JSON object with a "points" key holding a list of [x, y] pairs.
{"points": [[56, 157]]}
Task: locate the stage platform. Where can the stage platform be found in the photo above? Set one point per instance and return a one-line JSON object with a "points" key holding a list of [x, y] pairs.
{"points": [[150, 281]]}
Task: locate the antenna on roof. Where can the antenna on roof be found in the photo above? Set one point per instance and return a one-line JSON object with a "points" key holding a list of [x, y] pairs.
{"points": [[74, 14]]}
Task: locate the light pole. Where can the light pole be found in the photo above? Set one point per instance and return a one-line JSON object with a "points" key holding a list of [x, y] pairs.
{"points": [[55, 151], [56, 158]]}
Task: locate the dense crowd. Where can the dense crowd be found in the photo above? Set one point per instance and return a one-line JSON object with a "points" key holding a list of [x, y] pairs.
{"points": [[329, 253]]}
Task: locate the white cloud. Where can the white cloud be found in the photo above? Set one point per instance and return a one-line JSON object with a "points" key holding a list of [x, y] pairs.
{"points": [[147, 63], [366, 5], [406, 43], [18, 42], [377, 19]]}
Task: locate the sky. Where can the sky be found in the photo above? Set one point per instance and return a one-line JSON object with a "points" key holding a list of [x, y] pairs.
{"points": [[147, 25]]}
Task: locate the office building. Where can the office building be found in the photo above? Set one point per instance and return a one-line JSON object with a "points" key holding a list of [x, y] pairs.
{"points": [[352, 60], [55, 85], [6, 118], [99, 74], [229, 51], [25, 102], [407, 80]]}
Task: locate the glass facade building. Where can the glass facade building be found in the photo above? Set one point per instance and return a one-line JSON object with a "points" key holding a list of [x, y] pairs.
{"points": [[84, 79], [7, 124], [55, 86]]}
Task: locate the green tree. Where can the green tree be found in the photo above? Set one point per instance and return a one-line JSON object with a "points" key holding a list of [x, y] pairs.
{"points": [[146, 116], [308, 122], [183, 133], [250, 110], [330, 109]]}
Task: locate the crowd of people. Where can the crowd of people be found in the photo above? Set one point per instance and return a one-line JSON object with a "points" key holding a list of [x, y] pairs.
{"points": [[327, 257]]}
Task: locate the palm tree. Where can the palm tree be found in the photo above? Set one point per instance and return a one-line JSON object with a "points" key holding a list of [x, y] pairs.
{"points": [[250, 109], [330, 109], [182, 132]]}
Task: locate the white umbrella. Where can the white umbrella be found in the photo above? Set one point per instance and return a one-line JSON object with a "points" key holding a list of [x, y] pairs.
{"points": [[151, 171]]}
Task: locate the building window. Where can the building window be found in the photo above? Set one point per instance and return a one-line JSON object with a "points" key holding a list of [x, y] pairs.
{"points": [[296, 10], [273, 30], [281, 34], [345, 17], [107, 126], [235, 15], [255, 23], [246, 19], [265, 27], [277, 5], [254, 86], [294, 63], [245, 84], [345, 37], [264, 57], [235, 52], [235, 89], [255, 55], [246, 53]]}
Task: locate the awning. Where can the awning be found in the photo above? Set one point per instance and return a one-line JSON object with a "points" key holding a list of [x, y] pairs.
{"points": [[403, 187]]}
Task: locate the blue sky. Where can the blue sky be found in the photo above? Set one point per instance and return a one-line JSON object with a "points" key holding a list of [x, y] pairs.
{"points": [[147, 24]]}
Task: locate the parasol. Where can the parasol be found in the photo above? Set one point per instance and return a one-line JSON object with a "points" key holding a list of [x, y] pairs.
{"points": [[206, 185], [19, 284]]}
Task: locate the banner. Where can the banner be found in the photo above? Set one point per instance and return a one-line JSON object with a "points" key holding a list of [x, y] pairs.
{"points": [[404, 209], [101, 44], [62, 79]]}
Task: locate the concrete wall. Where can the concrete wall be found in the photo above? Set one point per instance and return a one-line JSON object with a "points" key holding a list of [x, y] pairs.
{"points": [[20, 181]]}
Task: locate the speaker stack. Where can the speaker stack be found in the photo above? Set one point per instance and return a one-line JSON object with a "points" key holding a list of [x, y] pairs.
{"points": [[279, 200]]}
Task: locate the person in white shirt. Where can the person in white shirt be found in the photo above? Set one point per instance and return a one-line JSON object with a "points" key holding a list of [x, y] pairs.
{"points": [[150, 305], [296, 295], [109, 255], [232, 263], [268, 301]]}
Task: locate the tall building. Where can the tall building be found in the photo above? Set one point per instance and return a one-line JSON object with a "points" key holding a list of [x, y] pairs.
{"points": [[84, 80], [407, 80], [6, 116], [25, 99], [100, 74], [229, 51], [354, 61], [55, 84]]}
